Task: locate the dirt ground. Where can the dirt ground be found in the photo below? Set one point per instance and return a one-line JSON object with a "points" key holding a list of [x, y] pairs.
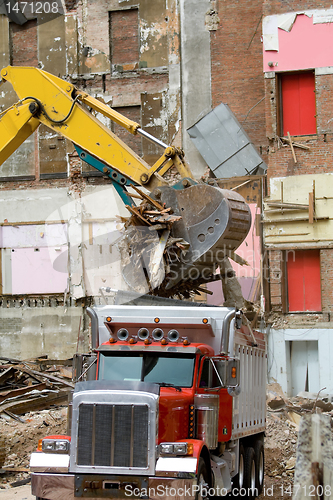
{"points": [[22, 438]]}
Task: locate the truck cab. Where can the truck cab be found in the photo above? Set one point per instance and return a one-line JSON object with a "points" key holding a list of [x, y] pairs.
{"points": [[176, 402]]}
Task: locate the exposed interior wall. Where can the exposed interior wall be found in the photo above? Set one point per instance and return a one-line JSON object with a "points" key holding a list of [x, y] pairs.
{"points": [[195, 74], [295, 41], [300, 359], [236, 65], [28, 330]]}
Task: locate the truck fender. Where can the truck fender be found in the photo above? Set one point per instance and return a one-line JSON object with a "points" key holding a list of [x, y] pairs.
{"points": [[200, 450]]}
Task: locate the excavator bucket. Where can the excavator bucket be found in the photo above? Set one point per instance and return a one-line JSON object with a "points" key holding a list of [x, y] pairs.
{"points": [[210, 224]]}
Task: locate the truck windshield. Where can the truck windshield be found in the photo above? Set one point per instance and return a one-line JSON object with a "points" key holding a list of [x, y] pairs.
{"points": [[158, 368]]}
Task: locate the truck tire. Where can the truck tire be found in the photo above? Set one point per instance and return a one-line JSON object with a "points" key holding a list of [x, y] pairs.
{"points": [[260, 465], [250, 472], [202, 479], [238, 480]]}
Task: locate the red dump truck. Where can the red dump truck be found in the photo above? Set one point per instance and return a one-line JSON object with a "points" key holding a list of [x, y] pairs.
{"points": [[170, 403]]}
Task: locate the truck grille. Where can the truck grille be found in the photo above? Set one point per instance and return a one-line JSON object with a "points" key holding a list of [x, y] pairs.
{"points": [[113, 435]]}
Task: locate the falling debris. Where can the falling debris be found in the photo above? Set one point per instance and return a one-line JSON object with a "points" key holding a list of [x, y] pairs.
{"points": [[172, 252], [147, 249]]}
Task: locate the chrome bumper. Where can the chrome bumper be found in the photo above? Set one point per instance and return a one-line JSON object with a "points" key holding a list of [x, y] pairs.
{"points": [[63, 486]]}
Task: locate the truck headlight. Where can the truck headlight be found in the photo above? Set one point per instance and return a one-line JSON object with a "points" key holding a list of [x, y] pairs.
{"points": [[53, 445], [176, 449]]}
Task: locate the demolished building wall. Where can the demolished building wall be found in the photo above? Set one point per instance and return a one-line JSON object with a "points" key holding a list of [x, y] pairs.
{"points": [[58, 217], [297, 216]]}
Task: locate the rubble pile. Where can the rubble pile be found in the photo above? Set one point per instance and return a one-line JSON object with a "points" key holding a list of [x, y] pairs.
{"points": [[27, 389], [283, 418]]}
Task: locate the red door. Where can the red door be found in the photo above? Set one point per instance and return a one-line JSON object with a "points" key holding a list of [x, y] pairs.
{"points": [[298, 103], [304, 286]]}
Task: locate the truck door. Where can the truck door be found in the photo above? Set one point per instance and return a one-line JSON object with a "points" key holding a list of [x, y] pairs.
{"points": [[210, 383]]}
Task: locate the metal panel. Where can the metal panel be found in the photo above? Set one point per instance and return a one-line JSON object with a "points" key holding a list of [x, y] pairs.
{"points": [[113, 430], [113, 435], [250, 406], [224, 145]]}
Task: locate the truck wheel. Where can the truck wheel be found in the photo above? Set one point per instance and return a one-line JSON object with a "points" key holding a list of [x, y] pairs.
{"points": [[250, 473], [260, 465], [202, 480], [238, 480]]}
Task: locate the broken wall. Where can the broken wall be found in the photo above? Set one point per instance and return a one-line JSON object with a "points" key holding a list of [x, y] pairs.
{"points": [[297, 226], [236, 62], [249, 273], [195, 74]]}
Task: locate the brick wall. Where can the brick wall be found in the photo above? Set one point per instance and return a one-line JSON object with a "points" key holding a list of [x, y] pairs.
{"points": [[133, 141], [326, 265], [23, 41], [271, 7], [237, 77], [318, 159], [124, 37]]}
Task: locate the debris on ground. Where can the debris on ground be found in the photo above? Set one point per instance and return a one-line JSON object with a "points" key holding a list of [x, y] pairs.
{"points": [[19, 433], [283, 419], [31, 393]]}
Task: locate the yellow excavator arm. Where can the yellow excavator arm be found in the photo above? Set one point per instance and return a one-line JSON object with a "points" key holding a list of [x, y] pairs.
{"points": [[190, 227], [46, 99]]}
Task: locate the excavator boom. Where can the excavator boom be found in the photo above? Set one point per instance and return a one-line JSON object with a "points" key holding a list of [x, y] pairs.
{"points": [[190, 227]]}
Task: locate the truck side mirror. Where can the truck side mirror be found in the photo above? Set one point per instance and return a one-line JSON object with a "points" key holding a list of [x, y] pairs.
{"points": [[228, 370]]}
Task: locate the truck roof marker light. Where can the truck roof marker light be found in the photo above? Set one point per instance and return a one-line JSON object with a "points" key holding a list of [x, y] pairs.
{"points": [[164, 342], [205, 321], [132, 340], [157, 320], [147, 341], [186, 342], [112, 340]]}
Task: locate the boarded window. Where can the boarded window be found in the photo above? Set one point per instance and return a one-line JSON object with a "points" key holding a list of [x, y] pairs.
{"points": [[298, 106], [124, 39], [304, 286], [52, 154], [23, 44]]}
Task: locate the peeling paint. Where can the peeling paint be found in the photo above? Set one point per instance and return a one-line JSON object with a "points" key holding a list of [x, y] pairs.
{"points": [[147, 32]]}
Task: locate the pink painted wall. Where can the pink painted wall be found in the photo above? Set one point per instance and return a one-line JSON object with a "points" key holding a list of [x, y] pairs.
{"points": [[32, 272], [306, 46], [247, 275]]}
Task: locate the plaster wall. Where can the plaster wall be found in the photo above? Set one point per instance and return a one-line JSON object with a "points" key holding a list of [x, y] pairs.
{"points": [[28, 332], [302, 44], [279, 369], [195, 74], [286, 229]]}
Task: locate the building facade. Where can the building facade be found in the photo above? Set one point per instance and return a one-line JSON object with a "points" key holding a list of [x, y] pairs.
{"points": [[166, 64]]}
